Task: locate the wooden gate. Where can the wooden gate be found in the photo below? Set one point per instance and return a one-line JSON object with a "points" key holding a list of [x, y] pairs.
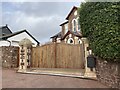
{"points": [[58, 55]]}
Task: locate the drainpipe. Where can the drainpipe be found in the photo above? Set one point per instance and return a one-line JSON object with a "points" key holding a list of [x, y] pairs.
{"points": [[9, 42]]}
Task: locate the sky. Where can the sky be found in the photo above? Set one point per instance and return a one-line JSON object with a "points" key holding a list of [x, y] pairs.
{"points": [[41, 19]]}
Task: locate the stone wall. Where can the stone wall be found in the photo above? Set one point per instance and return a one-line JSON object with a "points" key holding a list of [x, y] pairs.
{"points": [[108, 73], [0, 57], [9, 56]]}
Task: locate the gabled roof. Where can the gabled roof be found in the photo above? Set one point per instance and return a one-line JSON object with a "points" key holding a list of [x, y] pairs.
{"points": [[64, 23], [5, 30], [73, 33], [16, 33], [74, 7], [58, 35]]}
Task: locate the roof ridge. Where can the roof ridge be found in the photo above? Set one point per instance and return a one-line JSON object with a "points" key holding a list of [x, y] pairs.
{"points": [[18, 32], [3, 26], [71, 11]]}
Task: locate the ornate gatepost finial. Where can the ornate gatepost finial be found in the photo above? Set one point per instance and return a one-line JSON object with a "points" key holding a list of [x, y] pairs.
{"points": [[25, 51]]}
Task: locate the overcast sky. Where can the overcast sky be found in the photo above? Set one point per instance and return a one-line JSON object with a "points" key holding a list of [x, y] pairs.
{"points": [[41, 19]]}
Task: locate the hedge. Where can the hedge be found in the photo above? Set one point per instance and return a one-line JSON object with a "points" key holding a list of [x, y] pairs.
{"points": [[99, 22]]}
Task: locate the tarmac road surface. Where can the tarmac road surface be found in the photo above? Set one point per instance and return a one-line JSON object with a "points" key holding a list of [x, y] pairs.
{"points": [[11, 79]]}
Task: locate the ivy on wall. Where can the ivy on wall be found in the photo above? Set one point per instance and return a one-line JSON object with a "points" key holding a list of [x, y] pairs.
{"points": [[100, 23]]}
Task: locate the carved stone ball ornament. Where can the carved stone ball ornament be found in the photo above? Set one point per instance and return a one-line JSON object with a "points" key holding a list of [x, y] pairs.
{"points": [[25, 42]]}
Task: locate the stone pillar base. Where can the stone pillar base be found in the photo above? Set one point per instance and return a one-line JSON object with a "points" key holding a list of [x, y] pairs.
{"points": [[22, 70], [90, 74]]}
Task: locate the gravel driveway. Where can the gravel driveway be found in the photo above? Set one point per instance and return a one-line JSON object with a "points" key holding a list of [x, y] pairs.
{"points": [[11, 79]]}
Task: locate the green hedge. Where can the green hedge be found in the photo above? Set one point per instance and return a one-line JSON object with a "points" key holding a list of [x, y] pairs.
{"points": [[99, 22]]}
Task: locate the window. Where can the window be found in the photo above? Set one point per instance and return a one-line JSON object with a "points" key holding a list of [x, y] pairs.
{"points": [[78, 24], [70, 41], [66, 28], [79, 41], [74, 25]]}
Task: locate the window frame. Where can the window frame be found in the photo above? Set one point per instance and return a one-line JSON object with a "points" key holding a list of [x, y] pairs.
{"points": [[68, 41]]}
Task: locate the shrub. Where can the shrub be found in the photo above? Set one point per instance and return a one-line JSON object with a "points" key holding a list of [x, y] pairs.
{"points": [[99, 22]]}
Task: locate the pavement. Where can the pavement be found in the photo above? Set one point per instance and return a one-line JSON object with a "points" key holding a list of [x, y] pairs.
{"points": [[75, 73], [11, 79]]}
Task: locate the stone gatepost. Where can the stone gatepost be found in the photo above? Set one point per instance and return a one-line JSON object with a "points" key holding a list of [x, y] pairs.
{"points": [[25, 54], [88, 72]]}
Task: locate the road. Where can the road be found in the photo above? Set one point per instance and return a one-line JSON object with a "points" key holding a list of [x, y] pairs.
{"points": [[11, 79]]}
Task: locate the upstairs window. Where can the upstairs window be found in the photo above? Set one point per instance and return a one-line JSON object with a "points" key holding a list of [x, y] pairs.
{"points": [[78, 24], [74, 25]]}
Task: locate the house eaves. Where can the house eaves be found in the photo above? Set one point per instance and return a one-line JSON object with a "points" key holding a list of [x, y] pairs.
{"points": [[16, 33], [74, 7], [63, 23], [73, 33], [58, 35]]}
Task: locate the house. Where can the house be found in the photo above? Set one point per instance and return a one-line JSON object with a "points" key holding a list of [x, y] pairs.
{"points": [[70, 29], [5, 31], [8, 38], [57, 37]]}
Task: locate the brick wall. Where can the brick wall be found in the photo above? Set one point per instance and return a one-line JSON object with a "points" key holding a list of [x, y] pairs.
{"points": [[9, 56], [108, 73]]}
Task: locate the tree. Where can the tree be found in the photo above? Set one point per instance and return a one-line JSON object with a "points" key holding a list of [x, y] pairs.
{"points": [[99, 22]]}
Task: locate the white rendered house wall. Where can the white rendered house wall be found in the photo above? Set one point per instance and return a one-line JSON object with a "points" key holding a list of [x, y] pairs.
{"points": [[15, 39], [4, 43]]}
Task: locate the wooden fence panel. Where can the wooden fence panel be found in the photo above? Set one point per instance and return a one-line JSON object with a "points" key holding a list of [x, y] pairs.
{"points": [[58, 55]]}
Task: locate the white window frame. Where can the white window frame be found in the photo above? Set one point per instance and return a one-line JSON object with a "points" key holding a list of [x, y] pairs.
{"points": [[79, 41], [78, 26], [73, 26], [69, 41]]}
